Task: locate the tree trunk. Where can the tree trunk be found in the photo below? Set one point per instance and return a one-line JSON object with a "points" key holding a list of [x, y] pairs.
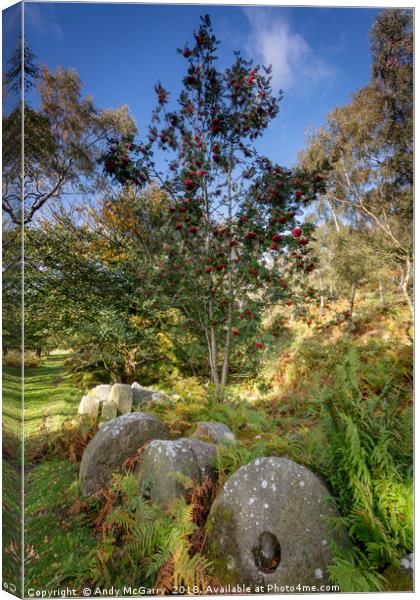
{"points": [[352, 298], [405, 282], [228, 339], [211, 336], [115, 376], [381, 292], [129, 366], [321, 295], [39, 352], [212, 353], [337, 226], [331, 295]]}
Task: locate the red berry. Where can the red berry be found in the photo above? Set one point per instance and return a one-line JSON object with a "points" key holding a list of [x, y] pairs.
{"points": [[274, 246], [220, 267], [253, 272], [208, 269], [187, 52], [192, 229], [251, 235], [282, 219], [277, 237], [289, 303], [259, 344], [251, 77], [235, 332], [178, 225], [303, 241], [296, 232]]}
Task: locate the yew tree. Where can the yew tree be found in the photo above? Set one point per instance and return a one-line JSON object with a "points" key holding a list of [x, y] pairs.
{"points": [[234, 243]]}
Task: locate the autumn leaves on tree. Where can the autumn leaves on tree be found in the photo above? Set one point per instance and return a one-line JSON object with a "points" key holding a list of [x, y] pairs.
{"points": [[233, 243]]}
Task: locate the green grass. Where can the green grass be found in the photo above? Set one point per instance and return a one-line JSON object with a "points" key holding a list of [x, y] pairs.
{"points": [[58, 542], [12, 400], [50, 397], [11, 478]]}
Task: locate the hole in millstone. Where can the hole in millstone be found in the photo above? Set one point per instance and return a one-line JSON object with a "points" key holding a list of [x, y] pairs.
{"points": [[267, 552]]}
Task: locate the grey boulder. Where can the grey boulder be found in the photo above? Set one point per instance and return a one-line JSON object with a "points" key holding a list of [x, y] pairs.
{"points": [[205, 456], [116, 441], [122, 396], [143, 395], [268, 526], [88, 407], [167, 469], [219, 433], [101, 392], [109, 411], [407, 563]]}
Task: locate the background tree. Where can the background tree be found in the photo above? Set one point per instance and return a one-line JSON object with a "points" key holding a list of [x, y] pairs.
{"points": [[87, 288], [368, 147], [62, 138], [237, 241]]}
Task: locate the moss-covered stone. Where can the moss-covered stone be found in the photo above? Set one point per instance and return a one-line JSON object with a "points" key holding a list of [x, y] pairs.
{"points": [[219, 433], [276, 500], [116, 441], [169, 465]]}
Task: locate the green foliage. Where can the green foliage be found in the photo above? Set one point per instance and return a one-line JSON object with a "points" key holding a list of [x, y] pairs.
{"points": [[86, 368], [191, 390], [353, 573], [152, 541], [366, 457]]}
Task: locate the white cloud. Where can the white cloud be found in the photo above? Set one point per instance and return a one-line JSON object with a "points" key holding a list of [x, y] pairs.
{"points": [[272, 42]]}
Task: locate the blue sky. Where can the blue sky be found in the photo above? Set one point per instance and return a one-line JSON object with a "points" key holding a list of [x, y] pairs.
{"points": [[319, 55]]}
